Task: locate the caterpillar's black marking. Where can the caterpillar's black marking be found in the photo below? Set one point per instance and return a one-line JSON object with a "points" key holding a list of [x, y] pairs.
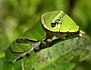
{"points": [[23, 54], [58, 20], [14, 52], [54, 24], [62, 15], [24, 40]]}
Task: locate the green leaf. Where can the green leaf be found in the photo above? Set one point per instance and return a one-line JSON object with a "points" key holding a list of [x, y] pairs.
{"points": [[19, 65], [61, 55], [7, 66]]}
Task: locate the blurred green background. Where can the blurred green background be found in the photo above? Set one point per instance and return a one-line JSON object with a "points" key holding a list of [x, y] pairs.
{"points": [[16, 16]]}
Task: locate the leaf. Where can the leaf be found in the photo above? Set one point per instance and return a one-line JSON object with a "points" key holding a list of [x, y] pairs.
{"points": [[61, 55], [7, 66], [19, 65]]}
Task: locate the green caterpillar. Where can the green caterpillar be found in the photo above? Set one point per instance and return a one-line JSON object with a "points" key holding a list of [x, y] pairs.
{"points": [[53, 25]]}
